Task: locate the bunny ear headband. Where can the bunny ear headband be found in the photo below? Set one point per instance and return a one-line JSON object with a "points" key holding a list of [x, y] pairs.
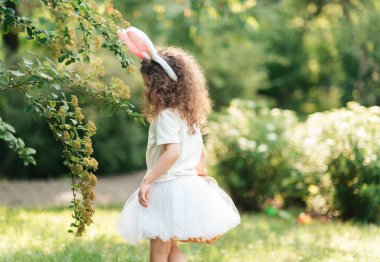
{"points": [[140, 45]]}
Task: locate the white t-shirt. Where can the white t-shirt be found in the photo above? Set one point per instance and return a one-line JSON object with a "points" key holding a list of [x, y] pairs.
{"points": [[169, 127]]}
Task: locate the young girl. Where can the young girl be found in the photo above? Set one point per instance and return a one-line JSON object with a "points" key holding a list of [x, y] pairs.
{"points": [[176, 200]]}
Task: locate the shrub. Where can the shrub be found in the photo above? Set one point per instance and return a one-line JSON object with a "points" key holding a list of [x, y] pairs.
{"points": [[341, 150], [249, 151], [330, 162]]}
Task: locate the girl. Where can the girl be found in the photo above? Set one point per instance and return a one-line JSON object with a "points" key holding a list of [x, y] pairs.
{"points": [[176, 200]]}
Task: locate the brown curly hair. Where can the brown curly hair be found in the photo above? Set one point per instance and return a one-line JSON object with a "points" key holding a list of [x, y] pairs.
{"points": [[189, 95]]}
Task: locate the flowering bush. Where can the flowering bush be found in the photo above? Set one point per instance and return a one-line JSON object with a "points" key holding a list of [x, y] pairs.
{"points": [[341, 154], [250, 152], [330, 162]]}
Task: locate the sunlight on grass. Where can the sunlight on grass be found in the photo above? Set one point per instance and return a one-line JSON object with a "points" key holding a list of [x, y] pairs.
{"points": [[41, 235]]}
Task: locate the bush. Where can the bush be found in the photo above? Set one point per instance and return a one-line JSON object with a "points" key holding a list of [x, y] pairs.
{"points": [[119, 145], [250, 152], [341, 150], [330, 162]]}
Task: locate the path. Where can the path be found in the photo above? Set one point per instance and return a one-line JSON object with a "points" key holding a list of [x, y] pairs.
{"points": [[48, 193]]}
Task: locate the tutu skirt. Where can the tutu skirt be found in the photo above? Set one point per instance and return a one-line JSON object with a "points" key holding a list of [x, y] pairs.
{"points": [[188, 209]]}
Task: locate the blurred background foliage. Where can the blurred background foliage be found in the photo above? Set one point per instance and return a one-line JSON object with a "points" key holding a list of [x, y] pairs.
{"points": [[328, 163], [301, 56]]}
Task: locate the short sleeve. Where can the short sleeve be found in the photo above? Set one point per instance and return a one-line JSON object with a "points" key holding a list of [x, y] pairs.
{"points": [[167, 127]]}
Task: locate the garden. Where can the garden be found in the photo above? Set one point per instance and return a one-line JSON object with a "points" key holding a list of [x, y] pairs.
{"points": [[293, 136]]}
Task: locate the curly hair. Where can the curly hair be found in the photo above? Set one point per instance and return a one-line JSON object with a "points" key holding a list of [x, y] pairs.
{"points": [[189, 95]]}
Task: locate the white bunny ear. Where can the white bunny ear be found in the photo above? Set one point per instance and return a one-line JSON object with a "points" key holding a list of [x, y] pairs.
{"points": [[140, 45], [166, 67]]}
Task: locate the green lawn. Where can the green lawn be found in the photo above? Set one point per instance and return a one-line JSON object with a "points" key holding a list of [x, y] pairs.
{"points": [[40, 235]]}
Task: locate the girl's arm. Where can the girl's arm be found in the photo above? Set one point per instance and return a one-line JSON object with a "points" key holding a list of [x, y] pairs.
{"points": [[166, 160], [201, 167]]}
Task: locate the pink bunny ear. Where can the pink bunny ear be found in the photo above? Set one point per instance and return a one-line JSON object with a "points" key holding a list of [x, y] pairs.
{"points": [[140, 45], [141, 41], [123, 36]]}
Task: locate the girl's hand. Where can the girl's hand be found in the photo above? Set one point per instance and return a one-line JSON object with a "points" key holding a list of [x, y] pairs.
{"points": [[201, 167], [143, 193], [202, 172]]}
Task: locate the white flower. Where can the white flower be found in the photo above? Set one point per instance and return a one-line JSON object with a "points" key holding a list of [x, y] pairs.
{"points": [[262, 148], [246, 144], [272, 136], [330, 142], [344, 125], [270, 126], [361, 133], [233, 132]]}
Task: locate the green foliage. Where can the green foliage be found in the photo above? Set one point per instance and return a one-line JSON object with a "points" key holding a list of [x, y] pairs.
{"points": [[119, 144], [295, 53], [341, 152], [88, 20], [46, 88], [250, 150], [330, 162], [7, 133], [357, 187]]}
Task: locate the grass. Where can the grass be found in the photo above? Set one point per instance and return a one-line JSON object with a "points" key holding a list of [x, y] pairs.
{"points": [[41, 235]]}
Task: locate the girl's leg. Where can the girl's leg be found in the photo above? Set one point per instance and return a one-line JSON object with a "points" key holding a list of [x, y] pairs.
{"points": [[175, 254], [159, 250]]}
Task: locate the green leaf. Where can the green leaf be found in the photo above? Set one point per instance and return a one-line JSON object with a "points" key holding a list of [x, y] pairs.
{"points": [[8, 137], [61, 58], [86, 59], [42, 40], [56, 86], [34, 78], [9, 127], [10, 12], [30, 151], [46, 76], [52, 103], [28, 96], [30, 32], [21, 142], [28, 62], [16, 73]]}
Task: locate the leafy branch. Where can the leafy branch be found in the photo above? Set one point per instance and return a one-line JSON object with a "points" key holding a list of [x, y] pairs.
{"points": [[7, 133]]}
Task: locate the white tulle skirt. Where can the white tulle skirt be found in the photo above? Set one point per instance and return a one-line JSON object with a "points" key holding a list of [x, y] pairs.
{"points": [[187, 208]]}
